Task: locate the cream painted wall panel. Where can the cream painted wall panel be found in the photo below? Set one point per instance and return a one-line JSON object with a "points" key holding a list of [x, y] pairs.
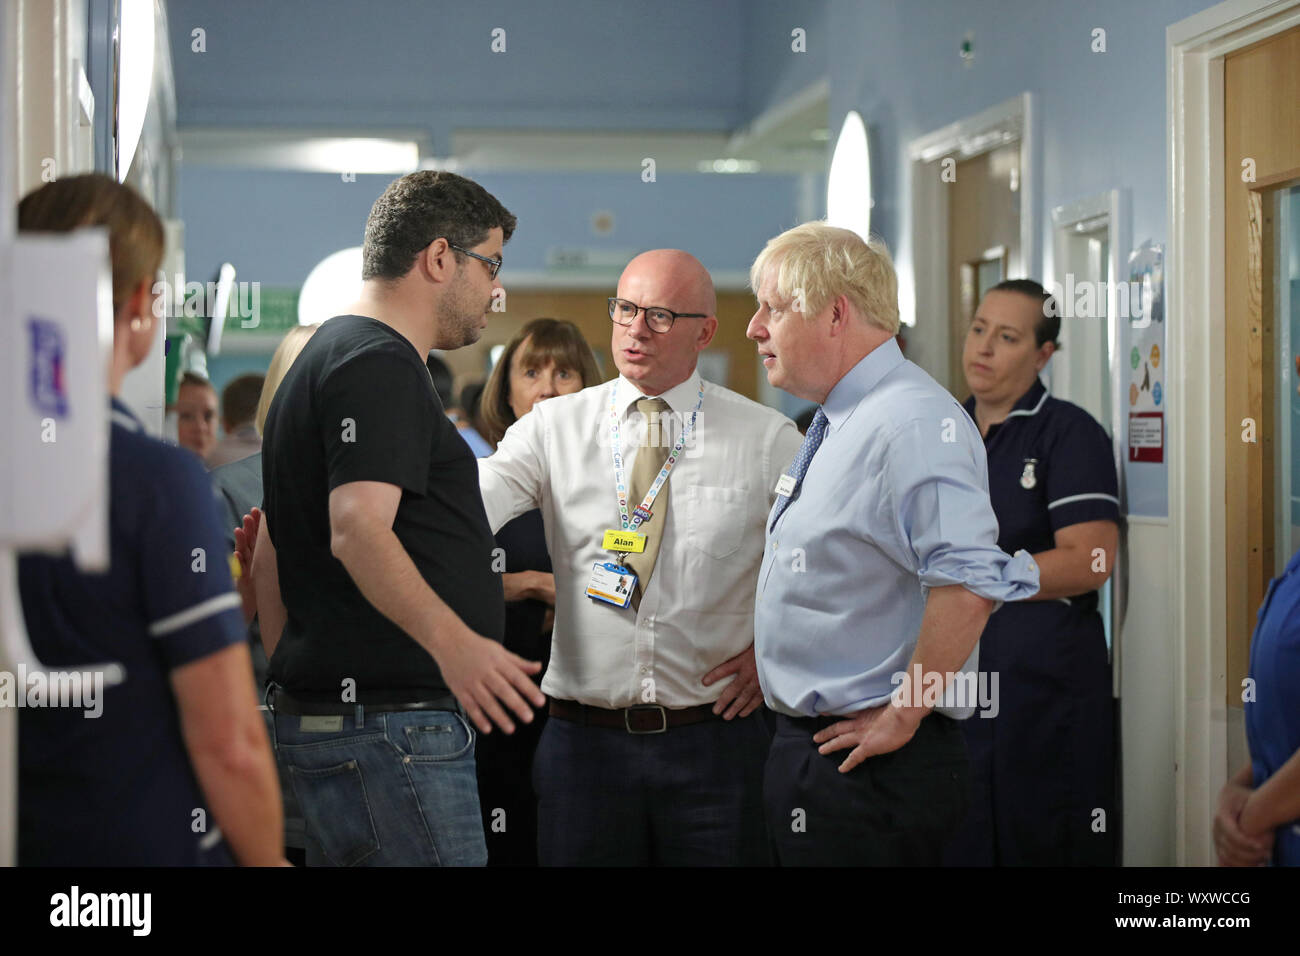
{"points": [[1148, 703], [50, 74]]}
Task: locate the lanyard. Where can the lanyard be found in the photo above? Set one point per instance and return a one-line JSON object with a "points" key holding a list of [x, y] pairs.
{"points": [[643, 510]]}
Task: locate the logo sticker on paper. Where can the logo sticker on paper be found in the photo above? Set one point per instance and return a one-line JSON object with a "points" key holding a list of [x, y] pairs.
{"points": [[45, 373]]}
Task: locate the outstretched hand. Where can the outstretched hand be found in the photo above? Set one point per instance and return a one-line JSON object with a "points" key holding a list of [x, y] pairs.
{"points": [[245, 542]]}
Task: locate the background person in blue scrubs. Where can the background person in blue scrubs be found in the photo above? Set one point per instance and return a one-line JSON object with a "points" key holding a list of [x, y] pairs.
{"points": [[1258, 817], [1043, 779]]}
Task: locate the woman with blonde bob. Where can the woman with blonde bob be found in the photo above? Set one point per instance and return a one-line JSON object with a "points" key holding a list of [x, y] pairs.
{"points": [[546, 358], [240, 486], [240, 482]]}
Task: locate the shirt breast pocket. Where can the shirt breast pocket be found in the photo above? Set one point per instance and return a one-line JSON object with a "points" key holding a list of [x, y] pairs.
{"points": [[716, 519]]}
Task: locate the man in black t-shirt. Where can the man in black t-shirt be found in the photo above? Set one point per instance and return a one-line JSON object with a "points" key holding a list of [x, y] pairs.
{"points": [[387, 610]]}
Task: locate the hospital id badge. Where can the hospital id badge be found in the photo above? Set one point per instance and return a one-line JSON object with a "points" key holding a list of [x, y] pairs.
{"points": [[611, 583]]}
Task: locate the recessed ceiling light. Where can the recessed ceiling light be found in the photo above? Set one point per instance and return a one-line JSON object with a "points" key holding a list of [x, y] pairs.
{"points": [[728, 165]]}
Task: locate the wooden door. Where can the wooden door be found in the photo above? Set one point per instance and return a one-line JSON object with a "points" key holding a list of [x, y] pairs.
{"points": [[983, 232], [1261, 157]]}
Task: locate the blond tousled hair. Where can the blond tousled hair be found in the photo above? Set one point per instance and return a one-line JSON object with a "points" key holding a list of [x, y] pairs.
{"points": [[284, 356], [817, 262]]}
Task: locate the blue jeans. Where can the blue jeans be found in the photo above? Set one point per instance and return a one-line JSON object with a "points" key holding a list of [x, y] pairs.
{"points": [[393, 789], [293, 828]]}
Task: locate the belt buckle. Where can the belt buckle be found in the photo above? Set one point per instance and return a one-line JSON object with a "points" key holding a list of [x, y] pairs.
{"points": [[627, 722]]}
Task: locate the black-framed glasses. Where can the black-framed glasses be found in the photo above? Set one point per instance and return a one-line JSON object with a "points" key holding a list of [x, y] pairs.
{"points": [[658, 319], [494, 265]]}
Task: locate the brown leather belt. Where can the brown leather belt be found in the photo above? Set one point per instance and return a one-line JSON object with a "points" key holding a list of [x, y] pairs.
{"points": [[641, 719]]}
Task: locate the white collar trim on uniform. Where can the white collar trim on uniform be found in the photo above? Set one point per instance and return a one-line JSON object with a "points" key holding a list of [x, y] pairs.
{"points": [[1029, 411], [122, 416]]}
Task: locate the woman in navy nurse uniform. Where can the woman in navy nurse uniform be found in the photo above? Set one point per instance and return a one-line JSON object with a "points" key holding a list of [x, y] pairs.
{"points": [[1042, 752], [175, 768]]}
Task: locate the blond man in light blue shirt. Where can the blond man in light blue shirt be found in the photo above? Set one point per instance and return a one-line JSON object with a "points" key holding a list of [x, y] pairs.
{"points": [[880, 571]]}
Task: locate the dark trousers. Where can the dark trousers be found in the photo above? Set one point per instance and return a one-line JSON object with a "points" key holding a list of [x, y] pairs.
{"points": [[1042, 769], [505, 792], [688, 797], [894, 809]]}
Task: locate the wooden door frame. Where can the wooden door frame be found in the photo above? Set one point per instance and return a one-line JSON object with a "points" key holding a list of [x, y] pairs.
{"points": [[970, 300], [926, 301], [1195, 303]]}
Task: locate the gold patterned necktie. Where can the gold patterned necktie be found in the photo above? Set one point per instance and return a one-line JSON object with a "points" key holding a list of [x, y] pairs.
{"points": [[650, 458]]}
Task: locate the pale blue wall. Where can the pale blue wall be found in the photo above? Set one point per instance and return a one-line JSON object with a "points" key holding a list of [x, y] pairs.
{"points": [[1101, 116], [275, 226]]}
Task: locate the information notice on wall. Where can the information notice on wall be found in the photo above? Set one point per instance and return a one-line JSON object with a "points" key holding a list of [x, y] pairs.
{"points": [[1146, 390]]}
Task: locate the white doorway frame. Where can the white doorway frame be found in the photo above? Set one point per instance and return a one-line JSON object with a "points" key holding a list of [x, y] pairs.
{"points": [[1195, 48], [1108, 210], [1009, 122]]}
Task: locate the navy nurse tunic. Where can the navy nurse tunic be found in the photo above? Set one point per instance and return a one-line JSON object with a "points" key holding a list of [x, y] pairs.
{"points": [[1044, 764], [119, 789]]}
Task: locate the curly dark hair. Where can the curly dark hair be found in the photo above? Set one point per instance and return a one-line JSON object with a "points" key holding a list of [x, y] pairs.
{"points": [[419, 208]]}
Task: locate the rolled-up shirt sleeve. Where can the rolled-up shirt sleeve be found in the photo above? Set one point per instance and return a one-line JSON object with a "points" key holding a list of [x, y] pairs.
{"points": [[510, 479], [943, 515]]}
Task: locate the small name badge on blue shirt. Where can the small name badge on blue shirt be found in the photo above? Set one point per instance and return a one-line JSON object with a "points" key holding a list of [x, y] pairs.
{"points": [[786, 485]]}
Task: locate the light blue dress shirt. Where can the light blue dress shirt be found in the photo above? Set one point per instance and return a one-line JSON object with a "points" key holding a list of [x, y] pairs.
{"points": [[895, 501]]}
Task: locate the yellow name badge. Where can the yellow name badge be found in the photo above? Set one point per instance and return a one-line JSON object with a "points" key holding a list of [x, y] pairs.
{"points": [[632, 542]]}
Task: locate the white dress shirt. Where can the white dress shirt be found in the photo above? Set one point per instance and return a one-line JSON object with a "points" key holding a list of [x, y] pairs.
{"points": [[697, 609]]}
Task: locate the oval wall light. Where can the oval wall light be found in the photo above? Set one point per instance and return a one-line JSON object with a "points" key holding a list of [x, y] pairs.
{"points": [[848, 188], [332, 286]]}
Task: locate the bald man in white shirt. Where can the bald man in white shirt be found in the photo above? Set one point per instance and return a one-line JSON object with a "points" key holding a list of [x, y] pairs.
{"points": [[654, 752]]}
